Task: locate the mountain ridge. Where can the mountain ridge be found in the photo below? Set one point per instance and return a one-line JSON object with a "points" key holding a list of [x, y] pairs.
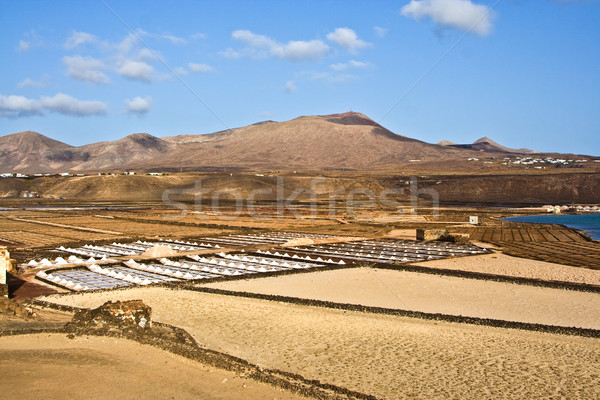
{"points": [[487, 144], [335, 141]]}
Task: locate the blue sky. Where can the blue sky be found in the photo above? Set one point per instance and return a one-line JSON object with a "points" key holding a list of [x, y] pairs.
{"points": [[524, 72]]}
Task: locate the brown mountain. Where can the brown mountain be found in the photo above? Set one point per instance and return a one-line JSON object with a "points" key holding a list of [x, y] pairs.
{"points": [[337, 141], [138, 147], [488, 145], [29, 151], [344, 141]]}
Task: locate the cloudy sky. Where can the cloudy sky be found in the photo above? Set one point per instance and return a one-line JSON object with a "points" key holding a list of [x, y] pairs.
{"points": [[523, 72]]}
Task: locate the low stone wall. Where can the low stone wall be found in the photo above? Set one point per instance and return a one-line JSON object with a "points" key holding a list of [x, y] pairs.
{"points": [[431, 234], [442, 235]]}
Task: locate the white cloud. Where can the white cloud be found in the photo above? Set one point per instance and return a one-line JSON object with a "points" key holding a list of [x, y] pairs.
{"points": [[199, 67], [19, 106], [347, 38], [301, 51], [231, 53], [193, 68], [136, 70], [174, 39], [32, 39], [67, 105], [379, 31], [138, 105], [146, 54], [27, 82], [130, 41], [78, 38], [24, 46], [198, 35], [349, 64], [290, 87], [261, 46], [86, 69], [458, 14], [253, 39], [327, 76], [130, 57]]}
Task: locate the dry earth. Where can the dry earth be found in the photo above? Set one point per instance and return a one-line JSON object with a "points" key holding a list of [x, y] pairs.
{"points": [[433, 294], [387, 356], [502, 264], [50, 366]]}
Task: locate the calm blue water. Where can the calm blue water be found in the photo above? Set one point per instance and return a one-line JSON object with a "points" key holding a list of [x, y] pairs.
{"points": [[589, 223]]}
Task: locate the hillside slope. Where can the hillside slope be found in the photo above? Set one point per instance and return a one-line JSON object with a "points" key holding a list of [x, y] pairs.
{"points": [[201, 190], [120, 153]]}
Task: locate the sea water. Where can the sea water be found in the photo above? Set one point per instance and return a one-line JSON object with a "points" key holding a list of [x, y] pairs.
{"points": [[589, 223]]}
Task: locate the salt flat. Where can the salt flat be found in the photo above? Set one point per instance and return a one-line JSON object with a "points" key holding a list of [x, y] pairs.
{"points": [[433, 294], [386, 356]]}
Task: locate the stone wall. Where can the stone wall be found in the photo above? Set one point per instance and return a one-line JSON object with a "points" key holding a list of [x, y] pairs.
{"points": [[431, 234]]}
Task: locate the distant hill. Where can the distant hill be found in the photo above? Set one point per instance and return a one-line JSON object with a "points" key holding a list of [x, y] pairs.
{"points": [[488, 145], [31, 151], [348, 141], [138, 147]]}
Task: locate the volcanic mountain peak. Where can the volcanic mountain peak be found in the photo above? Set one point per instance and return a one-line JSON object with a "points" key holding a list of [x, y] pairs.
{"points": [[143, 139], [263, 122], [135, 146], [350, 118], [32, 152], [28, 141], [339, 141], [487, 144], [135, 140], [139, 136], [309, 129], [486, 139]]}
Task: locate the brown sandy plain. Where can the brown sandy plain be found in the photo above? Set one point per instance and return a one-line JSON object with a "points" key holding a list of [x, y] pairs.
{"points": [[502, 264], [433, 294], [50, 366], [386, 356]]}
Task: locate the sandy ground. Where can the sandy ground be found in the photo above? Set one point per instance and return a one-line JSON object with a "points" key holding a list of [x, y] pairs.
{"points": [[502, 264], [433, 294], [47, 366], [409, 234], [387, 356]]}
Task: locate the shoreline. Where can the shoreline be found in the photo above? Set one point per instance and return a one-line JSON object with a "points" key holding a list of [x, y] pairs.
{"points": [[593, 234]]}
